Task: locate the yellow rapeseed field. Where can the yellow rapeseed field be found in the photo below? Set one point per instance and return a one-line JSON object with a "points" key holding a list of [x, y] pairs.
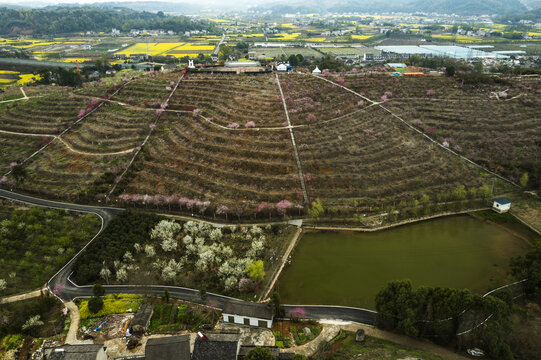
{"points": [[148, 48], [361, 37]]}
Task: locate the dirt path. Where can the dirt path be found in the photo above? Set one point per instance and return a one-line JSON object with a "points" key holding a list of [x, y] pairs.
{"points": [[25, 296], [71, 338], [295, 150], [282, 263]]}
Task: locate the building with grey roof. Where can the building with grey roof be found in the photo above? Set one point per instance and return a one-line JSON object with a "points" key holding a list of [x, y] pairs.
{"points": [[77, 352], [246, 313], [168, 348], [216, 346]]}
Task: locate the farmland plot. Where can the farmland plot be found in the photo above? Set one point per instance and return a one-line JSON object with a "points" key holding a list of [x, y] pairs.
{"points": [[189, 157], [59, 172], [228, 99], [366, 162], [111, 128], [502, 133]]}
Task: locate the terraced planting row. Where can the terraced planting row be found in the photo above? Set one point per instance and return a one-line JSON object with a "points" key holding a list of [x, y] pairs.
{"points": [[58, 172], [150, 90], [369, 161], [443, 87], [505, 136], [15, 148], [111, 128], [231, 99], [49, 114], [188, 157], [312, 100]]}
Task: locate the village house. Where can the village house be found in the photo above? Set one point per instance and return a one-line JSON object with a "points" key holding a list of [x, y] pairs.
{"points": [[501, 204], [216, 346], [169, 347], [76, 352], [252, 314]]}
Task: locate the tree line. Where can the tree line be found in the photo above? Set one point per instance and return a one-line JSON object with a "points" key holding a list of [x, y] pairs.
{"points": [[69, 20]]}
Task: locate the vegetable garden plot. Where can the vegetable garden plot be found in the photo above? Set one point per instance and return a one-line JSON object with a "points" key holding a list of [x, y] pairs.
{"points": [[59, 172], [111, 128], [189, 157], [369, 159], [311, 100], [231, 99]]}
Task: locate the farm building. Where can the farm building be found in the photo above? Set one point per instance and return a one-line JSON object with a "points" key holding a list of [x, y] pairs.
{"points": [[216, 346], [282, 67], [396, 65], [316, 71], [170, 347], [251, 314], [242, 64], [76, 352], [142, 318], [501, 204]]}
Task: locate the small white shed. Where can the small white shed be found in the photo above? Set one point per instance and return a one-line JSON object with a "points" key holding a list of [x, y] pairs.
{"points": [[281, 67], [501, 204], [252, 314], [316, 71]]}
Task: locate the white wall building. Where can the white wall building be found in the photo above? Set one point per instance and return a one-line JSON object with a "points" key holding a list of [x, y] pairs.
{"points": [[252, 314], [501, 204]]}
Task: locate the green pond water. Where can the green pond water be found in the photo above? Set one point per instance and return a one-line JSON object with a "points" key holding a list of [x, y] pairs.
{"points": [[347, 268]]}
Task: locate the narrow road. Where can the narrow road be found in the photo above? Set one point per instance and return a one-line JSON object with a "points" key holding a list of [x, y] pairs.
{"points": [[20, 297]]}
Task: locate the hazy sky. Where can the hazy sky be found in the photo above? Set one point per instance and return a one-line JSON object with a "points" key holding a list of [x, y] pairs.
{"points": [[196, 2]]}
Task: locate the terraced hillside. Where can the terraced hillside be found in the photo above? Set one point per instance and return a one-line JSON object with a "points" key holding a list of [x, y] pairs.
{"points": [[497, 126], [221, 145]]}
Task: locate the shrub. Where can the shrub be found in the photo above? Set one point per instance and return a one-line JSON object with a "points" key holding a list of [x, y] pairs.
{"points": [[95, 304], [260, 353], [11, 342]]}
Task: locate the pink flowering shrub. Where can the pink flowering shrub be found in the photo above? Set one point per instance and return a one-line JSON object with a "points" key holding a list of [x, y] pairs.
{"points": [[431, 92], [298, 313], [282, 206], [59, 289], [233, 126], [246, 285], [360, 103], [310, 117], [384, 98], [152, 126], [250, 124], [81, 113], [430, 131], [159, 112], [340, 81]]}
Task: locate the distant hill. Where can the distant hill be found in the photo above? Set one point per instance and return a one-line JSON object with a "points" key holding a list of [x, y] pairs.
{"points": [[150, 6], [12, 6], [533, 15], [53, 21], [460, 7]]}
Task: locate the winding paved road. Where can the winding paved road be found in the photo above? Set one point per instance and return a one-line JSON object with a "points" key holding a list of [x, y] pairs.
{"points": [[72, 290]]}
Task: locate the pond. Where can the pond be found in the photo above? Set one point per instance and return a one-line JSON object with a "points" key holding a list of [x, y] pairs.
{"points": [[348, 268]]}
